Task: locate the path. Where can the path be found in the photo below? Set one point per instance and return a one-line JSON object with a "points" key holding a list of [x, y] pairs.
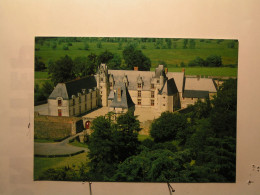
{"points": [[59, 148]]}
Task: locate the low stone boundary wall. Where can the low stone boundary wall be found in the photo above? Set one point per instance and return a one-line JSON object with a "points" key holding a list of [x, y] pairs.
{"points": [[53, 127]]}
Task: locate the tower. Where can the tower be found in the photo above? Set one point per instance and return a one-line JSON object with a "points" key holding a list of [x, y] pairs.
{"points": [[102, 84]]}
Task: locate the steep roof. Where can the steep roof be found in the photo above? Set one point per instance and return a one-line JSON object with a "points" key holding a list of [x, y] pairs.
{"points": [[200, 84], [146, 77], [169, 87], [178, 79], [67, 89], [126, 100]]}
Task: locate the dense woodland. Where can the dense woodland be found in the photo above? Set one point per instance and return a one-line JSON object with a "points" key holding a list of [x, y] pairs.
{"points": [[196, 146]]}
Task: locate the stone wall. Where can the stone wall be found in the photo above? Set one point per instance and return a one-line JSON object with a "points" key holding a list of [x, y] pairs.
{"points": [[52, 127]]}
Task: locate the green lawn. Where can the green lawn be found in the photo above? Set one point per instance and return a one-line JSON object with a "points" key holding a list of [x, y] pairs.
{"points": [[41, 164], [205, 71], [41, 75], [78, 144]]}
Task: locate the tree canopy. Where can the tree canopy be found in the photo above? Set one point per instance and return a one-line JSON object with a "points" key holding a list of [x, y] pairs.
{"points": [[166, 127], [135, 58], [61, 70]]}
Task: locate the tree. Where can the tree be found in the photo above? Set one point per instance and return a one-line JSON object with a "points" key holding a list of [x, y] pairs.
{"points": [[154, 166], [104, 57], [185, 43], [198, 61], [86, 46], [101, 145], [126, 135], [61, 70], [99, 44], [223, 115], [83, 66], [169, 43], [39, 65], [134, 57], [192, 44], [213, 61], [166, 127], [54, 45], [115, 62], [231, 44]]}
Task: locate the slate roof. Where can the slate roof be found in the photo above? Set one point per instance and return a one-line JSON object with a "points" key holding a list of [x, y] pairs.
{"points": [[126, 100], [146, 77], [195, 94], [169, 87], [67, 89], [201, 84]]}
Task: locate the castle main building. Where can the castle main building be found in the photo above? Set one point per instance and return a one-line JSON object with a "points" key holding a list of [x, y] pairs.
{"points": [[122, 90]]}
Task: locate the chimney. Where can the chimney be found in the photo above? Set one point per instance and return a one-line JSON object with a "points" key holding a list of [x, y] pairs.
{"points": [[183, 70], [166, 70], [119, 94], [136, 68]]}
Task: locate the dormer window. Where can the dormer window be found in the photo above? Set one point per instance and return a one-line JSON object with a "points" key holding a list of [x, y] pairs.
{"points": [[139, 85], [139, 94], [83, 91], [59, 103]]}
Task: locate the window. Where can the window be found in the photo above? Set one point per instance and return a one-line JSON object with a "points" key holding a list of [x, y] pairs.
{"points": [[101, 79], [111, 84], [79, 99], [139, 85], [59, 103], [85, 98], [163, 97], [152, 102], [158, 81], [139, 94], [73, 102], [100, 87], [59, 112], [152, 86], [139, 101], [152, 94], [80, 109], [163, 104]]}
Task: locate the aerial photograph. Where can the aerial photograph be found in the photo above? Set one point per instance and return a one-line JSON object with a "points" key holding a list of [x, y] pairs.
{"points": [[135, 109]]}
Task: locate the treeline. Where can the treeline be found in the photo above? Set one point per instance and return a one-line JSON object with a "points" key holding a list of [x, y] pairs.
{"points": [[210, 61], [199, 146], [66, 69]]}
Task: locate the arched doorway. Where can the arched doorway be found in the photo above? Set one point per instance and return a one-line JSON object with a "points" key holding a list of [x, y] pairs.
{"points": [[87, 124]]}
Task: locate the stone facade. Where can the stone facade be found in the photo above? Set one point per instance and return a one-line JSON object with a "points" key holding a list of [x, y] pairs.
{"points": [[122, 90]]}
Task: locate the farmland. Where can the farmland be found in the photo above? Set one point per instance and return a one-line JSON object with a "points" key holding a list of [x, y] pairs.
{"points": [[171, 57]]}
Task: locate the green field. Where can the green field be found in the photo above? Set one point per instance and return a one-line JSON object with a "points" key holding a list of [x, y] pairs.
{"points": [[205, 71], [41, 164], [171, 57]]}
